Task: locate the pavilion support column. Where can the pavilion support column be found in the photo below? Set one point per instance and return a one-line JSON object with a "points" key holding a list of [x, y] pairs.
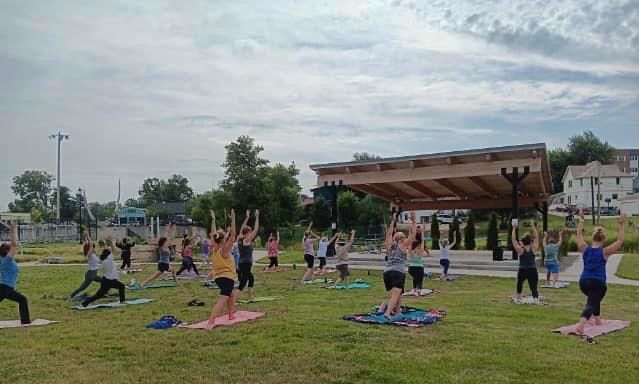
{"points": [[334, 190], [544, 217], [515, 180]]}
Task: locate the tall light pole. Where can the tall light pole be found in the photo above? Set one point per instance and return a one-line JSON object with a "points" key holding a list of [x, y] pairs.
{"points": [[59, 137]]}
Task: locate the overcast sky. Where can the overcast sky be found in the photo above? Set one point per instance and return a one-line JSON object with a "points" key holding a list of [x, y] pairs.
{"points": [[152, 88]]}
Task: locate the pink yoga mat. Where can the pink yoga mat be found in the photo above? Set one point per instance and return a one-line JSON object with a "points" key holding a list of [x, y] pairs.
{"points": [[592, 330], [240, 317]]}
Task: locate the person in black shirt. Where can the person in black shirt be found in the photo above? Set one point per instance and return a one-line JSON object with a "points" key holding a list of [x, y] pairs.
{"points": [[125, 246]]}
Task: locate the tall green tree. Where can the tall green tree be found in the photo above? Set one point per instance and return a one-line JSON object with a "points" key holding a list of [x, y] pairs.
{"points": [[175, 188], [69, 208], [454, 230], [321, 214], [373, 213], [581, 149], [281, 190], [347, 209], [33, 189], [492, 239], [434, 231], [469, 233]]}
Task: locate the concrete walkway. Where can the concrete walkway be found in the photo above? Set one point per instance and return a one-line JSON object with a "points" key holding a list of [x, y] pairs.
{"points": [[571, 273]]}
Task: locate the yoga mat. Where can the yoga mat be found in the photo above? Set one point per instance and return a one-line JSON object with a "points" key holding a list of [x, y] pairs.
{"points": [[316, 273], [560, 284], [528, 300], [240, 317], [16, 323], [277, 270], [149, 286], [592, 330], [349, 286], [257, 300], [319, 281], [410, 317], [115, 304], [422, 293]]}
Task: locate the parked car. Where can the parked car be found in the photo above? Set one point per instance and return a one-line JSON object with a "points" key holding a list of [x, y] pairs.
{"points": [[445, 218]]}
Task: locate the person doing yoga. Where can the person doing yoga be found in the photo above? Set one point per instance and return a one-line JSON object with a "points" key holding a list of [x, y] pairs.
{"points": [[309, 252], [187, 258], [164, 257], [592, 281], [552, 243], [245, 248], [526, 253], [444, 255], [416, 262], [273, 248], [342, 259], [125, 246], [9, 272], [109, 277], [93, 264]]}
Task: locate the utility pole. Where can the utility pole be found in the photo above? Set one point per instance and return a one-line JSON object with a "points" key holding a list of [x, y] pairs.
{"points": [[59, 137]]}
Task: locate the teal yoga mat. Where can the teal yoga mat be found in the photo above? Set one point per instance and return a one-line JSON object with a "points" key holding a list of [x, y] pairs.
{"points": [[257, 300], [149, 286], [350, 286]]}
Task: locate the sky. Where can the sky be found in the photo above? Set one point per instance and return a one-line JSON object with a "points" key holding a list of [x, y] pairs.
{"points": [[154, 88]]}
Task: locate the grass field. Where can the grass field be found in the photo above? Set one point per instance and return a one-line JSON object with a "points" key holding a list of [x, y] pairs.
{"points": [[303, 339], [629, 267]]}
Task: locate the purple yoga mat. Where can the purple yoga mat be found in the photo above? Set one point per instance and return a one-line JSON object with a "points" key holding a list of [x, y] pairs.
{"points": [[592, 330]]}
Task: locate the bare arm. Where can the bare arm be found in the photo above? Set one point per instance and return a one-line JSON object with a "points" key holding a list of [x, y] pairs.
{"points": [[213, 226], [535, 244], [516, 246], [350, 241], [228, 245], [246, 219], [413, 226], [334, 238], [452, 245], [616, 246], [89, 242], [389, 231], [277, 241], [545, 237], [581, 242], [560, 239], [256, 228]]}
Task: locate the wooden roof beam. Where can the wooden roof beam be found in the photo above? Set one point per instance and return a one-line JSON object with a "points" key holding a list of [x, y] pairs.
{"points": [[419, 188], [501, 203], [481, 184], [452, 187], [371, 190]]}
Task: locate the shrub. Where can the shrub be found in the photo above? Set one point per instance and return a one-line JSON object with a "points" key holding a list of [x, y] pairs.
{"points": [[454, 229], [469, 233], [434, 232], [493, 233]]}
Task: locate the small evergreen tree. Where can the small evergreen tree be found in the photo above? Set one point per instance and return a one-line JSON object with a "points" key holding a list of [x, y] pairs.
{"points": [[469, 233], [492, 239], [434, 232], [453, 229]]}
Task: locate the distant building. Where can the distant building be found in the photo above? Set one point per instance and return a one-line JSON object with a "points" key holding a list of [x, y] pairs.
{"points": [[130, 215], [22, 218], [628, 161], [306, 200], [635, 185], [608, 179], [630, 205], [173, 211]]}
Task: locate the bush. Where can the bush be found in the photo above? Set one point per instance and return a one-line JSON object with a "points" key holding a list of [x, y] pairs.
{"points": [[469, 233], [454, 229], [492, 239], [434, 232]]}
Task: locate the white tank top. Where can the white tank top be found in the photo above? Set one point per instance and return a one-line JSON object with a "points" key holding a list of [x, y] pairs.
{"points": [[93, 262]]}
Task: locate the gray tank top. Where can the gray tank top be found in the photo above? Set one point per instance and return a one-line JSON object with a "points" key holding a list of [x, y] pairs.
{"points": [[396, 259], [164, 256]]}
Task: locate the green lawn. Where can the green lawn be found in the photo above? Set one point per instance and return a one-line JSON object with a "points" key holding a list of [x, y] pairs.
{"points": [[629, 267], [303, 339], [286, 257]]}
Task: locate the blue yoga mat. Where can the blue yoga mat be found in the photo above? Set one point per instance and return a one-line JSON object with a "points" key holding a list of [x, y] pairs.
{"points": [[349, 286], [410, 317]]}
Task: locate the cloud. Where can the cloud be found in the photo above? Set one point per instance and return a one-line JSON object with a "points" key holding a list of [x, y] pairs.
{"points": [[150, 88]]}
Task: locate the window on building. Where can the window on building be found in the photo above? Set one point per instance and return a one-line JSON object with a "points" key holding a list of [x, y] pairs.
{"points": [[634, 157], [623, 169], [615, 196], [569, 200], [569, 183], [621, 158], [581, 182], [618, 180], [634, 170], [596, 181]]}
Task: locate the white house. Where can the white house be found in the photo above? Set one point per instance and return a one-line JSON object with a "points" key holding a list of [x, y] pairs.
{"points": [[629, 205], [609, 182]]}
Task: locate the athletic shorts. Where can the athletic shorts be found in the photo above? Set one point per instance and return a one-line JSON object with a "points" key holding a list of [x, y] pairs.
{"points": [[163, 267], [343, 271], [394, 279], [322, 261], [552, 267], [226, 286], [310, 260]]}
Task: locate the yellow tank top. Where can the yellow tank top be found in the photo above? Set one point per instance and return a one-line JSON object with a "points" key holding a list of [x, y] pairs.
{"points": [[223, 266]]}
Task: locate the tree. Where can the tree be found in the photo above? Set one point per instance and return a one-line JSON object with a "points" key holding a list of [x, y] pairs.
{"points": [[281, 204], [434, 231], [217, 200], [135, 203], [469, 233], [69, 207], [365, 156], [372, 213], [454, 229], [154, 190], [492, 240], [321, 213], [581, 150], [33, 189], [347, 209]]}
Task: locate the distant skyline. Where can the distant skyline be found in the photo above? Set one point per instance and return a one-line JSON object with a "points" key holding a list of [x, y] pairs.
{"points": [[155, 88]]}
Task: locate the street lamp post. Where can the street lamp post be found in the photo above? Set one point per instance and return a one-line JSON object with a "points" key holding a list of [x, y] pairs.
{"points": [[59, 137]]}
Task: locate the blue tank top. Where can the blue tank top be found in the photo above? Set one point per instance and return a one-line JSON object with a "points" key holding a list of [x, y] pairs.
{"points": [[9, 271], [594, 264]]}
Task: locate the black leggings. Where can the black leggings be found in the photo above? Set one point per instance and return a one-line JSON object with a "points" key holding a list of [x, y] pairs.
{"points": [[6, 292], [417, 273], [273, 262], [595, 290], [105, 286], [531, 275], [126, 261], [89, 277], [246, 276], [187, 263]]}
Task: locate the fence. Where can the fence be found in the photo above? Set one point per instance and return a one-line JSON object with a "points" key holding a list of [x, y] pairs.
{"points": [[47, 233]]}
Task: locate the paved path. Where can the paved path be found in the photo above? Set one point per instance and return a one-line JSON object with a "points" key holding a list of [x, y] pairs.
{"points": [[570, 274]]}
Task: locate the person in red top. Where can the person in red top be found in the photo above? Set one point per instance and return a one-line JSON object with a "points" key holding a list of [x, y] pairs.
{"points": [[273, 248]]}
